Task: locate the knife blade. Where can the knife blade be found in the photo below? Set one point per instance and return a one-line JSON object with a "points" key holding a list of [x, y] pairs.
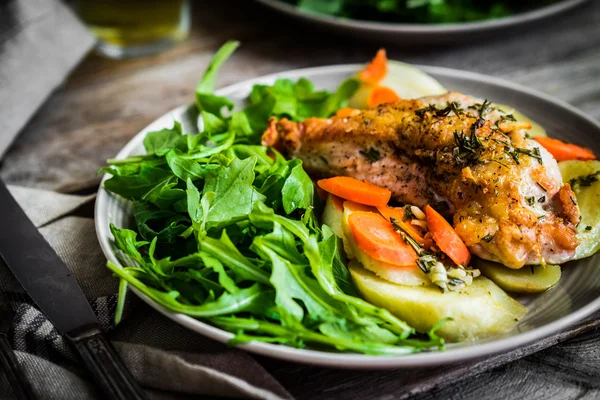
{"points": [[54, 289]]}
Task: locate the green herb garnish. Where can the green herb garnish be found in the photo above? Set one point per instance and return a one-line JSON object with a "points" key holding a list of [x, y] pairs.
{"points": [[585, 180], [467, 146], [372, 155], [488, 238]]}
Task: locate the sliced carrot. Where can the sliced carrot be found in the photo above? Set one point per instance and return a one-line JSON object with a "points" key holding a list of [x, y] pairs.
{"points": [[398, 214], [355, 190], [446, 238], [376, 70], [565, 151], [377, 238], [381, 95], [347, 112]]}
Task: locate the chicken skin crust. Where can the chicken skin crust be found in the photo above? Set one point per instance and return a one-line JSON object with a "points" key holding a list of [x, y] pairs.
{"points": [[458, 154]]}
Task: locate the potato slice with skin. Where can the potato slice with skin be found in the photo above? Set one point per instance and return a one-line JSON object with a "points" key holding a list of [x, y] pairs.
{"points": [[478, 311], [529, 279], [404, 276], [588, 198], [332, 214], [408, 81]]}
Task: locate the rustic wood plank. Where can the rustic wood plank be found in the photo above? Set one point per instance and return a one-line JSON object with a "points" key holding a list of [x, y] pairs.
{"points": [[106, 102]]}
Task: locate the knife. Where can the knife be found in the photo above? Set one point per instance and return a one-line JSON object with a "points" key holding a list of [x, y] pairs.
{"points": [[52, 286]]}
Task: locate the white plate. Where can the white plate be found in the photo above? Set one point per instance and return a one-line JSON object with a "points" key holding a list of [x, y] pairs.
{"points": [[576, 296], [418, 34]]}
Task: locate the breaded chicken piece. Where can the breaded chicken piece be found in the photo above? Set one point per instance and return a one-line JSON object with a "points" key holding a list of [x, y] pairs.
{"points": [[461, 156]]}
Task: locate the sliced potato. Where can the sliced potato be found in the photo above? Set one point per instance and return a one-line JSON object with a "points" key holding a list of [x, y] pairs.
{"points": [[536, 129], [529, 279], [332, 214], [478, 311], [408, 81], [588, 198], [402, 276]]}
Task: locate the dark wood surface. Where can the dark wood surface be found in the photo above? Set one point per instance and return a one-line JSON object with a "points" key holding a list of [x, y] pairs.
{"points": [[106, 102]]}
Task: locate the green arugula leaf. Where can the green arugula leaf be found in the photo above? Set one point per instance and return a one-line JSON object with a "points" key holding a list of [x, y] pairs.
{"points": [[299, 334], [212, 124], [298, 189], [161, 142], [209, 78], [243, 300], [194, 208], [234, 195], [227, 253], [126, 241], [205, 99], [135, 186], [164, 194], [282, 242], [291, 283], [153, 222], [340, 98], [185, 168], [224, 280]]}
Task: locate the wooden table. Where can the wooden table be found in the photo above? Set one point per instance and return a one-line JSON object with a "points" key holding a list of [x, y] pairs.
{"points": [[105, 102]]}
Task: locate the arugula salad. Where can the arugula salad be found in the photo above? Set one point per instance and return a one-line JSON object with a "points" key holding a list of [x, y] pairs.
{"points": [[229, 231]]}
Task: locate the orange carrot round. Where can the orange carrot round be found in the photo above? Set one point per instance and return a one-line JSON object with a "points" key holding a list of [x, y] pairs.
{"points": [[446, 238], [376, 70], [377, 238], [565, 151], [355, 190], [398, 214], [346, 112], [381, 95]]}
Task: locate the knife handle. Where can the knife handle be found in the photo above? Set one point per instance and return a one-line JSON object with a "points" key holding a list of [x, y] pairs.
{"points": [[105, 365]]}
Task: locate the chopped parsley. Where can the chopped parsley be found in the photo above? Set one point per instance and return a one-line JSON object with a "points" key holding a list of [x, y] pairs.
{"points": [[482, 108], [585, 180], [530, 200], [488, 238], [508, 117], [407, 213], [452, 106], [467, 146], [372, 155]]}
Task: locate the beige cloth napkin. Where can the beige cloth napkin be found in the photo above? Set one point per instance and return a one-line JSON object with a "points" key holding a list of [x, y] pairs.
{"points": [[169, 361], [40, 42]]}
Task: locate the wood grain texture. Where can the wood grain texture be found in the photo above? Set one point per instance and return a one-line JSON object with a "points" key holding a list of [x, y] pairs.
{"points": [[106, 102]]}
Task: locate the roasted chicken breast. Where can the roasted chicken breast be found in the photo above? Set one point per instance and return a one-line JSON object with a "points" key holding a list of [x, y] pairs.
{"points": [[460, 155]]}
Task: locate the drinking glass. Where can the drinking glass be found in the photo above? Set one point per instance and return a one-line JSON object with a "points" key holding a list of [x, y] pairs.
{"points": [[131, 28]]}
